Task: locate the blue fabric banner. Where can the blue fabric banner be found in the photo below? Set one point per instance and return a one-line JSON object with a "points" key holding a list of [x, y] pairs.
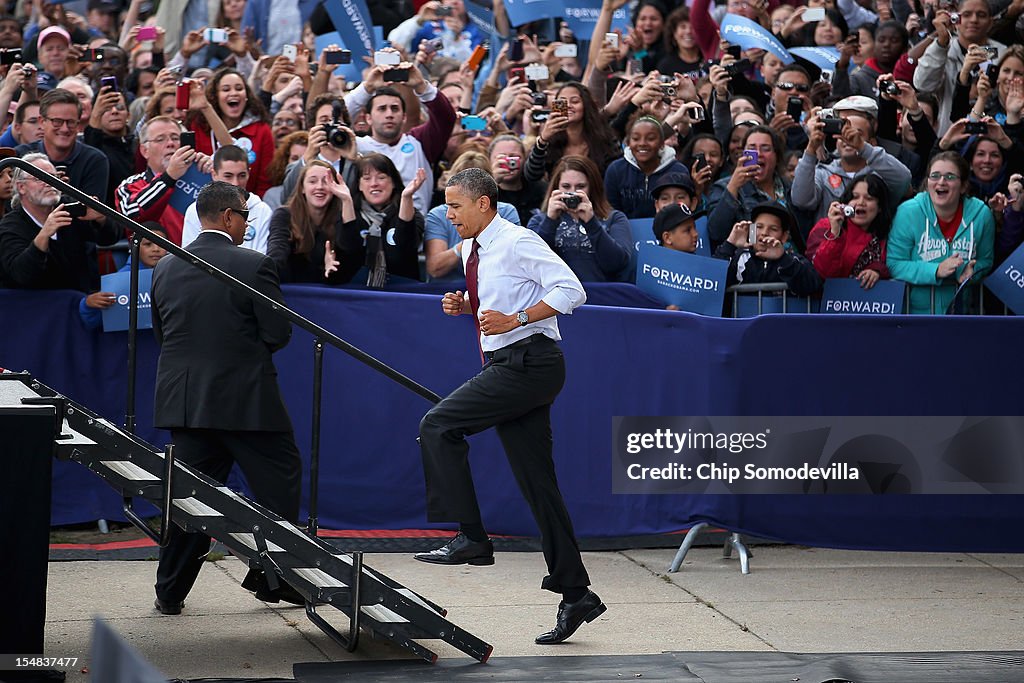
{"points": [[581, 15], [371, 474], [1007, 281], [750, 35], [693, 283], [351, 20], [115, 318], [187, 187], [821, 57], [845, 295]]}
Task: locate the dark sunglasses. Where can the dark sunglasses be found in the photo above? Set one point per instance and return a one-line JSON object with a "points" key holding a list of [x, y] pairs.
{"points": [[790, 86]]}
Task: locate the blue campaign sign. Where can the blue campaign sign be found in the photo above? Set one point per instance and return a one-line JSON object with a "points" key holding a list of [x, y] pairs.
{"points": [[115, 318], [693, 283], [845, 296], [1007, 281], [483, 17], [580, 15], [351, 19], [187, 187], [353, 72], [821, 57], [752, 36]]}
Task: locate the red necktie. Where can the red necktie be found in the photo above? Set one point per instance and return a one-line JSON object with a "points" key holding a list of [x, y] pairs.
{"points": [[471, 284]]}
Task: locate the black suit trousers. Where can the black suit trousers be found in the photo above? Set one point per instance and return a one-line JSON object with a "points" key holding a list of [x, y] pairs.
{"points": [[273, 469], [513, 393]]}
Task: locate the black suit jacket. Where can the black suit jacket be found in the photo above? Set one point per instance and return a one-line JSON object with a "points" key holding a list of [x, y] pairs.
{"points": [[216, 369]]}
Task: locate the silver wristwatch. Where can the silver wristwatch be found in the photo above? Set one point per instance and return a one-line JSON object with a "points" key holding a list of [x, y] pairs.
{"points": [[523, 318]]}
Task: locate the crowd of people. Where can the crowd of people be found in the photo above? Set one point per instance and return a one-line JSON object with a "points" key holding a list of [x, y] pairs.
{"points": [[903, 161]]}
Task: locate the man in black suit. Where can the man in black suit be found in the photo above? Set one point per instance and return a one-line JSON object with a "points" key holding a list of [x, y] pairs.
{"points": [[216, 386]]}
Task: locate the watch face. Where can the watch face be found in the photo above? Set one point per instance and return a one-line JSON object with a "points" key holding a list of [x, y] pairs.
{"points": [[523, 318]]}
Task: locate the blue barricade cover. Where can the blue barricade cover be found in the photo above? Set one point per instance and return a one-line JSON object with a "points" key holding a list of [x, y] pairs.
{"points": [[620, 361]]}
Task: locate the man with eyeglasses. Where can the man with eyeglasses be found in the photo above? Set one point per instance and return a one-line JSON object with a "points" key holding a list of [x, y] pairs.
{"points": [[285, 123], [84, 166], [216, 385], [41, 246], [146, 196]]}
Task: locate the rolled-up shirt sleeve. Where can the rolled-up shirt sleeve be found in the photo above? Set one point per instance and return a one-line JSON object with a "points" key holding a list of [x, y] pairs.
{"points": [[562, 289]]}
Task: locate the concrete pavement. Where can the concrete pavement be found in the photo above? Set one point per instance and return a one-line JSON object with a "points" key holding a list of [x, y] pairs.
{"points": [[795, 599]]}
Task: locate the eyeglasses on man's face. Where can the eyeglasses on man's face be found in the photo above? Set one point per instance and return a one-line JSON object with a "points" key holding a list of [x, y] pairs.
{"points": [[61, 123], [162, 139]]}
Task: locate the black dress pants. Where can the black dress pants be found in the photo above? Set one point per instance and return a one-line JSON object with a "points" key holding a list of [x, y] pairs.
{"points": [[513, 393], [271, 464]]}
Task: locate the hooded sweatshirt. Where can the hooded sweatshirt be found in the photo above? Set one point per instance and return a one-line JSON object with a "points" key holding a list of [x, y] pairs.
{"points": [[629, 189], [252, 135], [917, 246], [816, 185]]}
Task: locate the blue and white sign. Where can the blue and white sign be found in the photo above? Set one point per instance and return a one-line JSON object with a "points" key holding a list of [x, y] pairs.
{"points": [[351, 19], [821, 57], [119, 284], [186, 188], [580, 15], [693, 283], [1007, 281], [846, 297], [750, 35]]}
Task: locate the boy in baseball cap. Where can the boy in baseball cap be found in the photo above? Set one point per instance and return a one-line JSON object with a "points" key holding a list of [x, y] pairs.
{"points": [[675, 228]]}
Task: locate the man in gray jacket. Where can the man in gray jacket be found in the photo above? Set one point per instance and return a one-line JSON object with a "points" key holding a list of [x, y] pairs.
{"points": [[816, 184]]}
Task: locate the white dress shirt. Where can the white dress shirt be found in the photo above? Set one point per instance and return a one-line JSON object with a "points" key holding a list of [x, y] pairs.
{"points": [[517, 270], [257, 233]]}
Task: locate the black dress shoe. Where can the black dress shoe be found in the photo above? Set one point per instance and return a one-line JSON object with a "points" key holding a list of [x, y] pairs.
{"points": [[256, 582], [460, 550], [571, 616], [167, 606]]}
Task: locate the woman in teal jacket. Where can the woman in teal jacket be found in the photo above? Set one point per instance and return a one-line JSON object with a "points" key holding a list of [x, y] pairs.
{"points": [[941, 238]]}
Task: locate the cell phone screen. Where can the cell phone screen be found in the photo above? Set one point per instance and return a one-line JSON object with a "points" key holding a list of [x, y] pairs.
{"points": [[188, 139]]}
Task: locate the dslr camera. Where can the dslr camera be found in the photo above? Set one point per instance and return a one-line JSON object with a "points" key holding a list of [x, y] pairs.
{"points": [[737, 68], [571, 200], [336, 136]]}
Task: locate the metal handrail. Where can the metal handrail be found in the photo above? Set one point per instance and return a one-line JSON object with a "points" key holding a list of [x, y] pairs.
{"points": [[320, 337]]}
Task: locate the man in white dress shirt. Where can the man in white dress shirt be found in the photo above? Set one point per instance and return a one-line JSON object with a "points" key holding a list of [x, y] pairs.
{"points": [[231, 165], [515, 287]]}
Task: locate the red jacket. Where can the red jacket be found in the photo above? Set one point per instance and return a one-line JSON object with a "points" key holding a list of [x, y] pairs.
{"points": [[836, 257], [256, 137], [146, 197]]}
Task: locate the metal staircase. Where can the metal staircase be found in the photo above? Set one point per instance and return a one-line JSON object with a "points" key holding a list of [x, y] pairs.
{"points": [[324, 576]]}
